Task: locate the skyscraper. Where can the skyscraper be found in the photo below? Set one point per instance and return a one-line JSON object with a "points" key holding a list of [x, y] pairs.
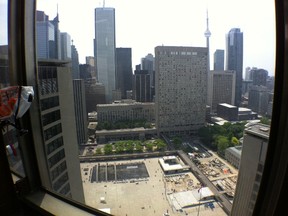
{"points": [[80, 111], [142, 86], [124, 70], [148, 63], [221, 88], [181, 88], [259, 76], [65, 46], [59, 154], [75, 62], [255, 144], [234, 59], [219, 60], [104, 49], [258, 99]]}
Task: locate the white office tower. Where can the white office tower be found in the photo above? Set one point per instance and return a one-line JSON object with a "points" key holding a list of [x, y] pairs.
{"points": [[181, 88]]}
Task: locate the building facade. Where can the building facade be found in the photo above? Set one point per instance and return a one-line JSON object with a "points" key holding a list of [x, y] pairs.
{"points": [[259, 77], [219, 60], [94, 93], [59, 155], [255, 144], [234, 59], [75, 62], [104, 49], [258, 99], [233, 155], [123, 70], [181, 88], [65, 46], [221, 88], [80, 111], [142, 86], [126, 111]]}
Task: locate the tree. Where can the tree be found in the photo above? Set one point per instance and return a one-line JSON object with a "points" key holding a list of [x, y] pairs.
{"points": [[234, 141], [98, 151], [222, 144], [265, 120], [108, 149], [149, 146]]}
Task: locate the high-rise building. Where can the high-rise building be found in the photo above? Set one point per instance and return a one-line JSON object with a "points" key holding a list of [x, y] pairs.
{"points": [[234, 59], [142, 86], [80, 111], [258, 99], [85, 71], [219, 60], [148, 63], [123, 70], [94, 94], [221, 88], [255, 144], [104, 49], [181, 88], [75, 62], [259, 76], [59, 154], [65, 46], [90, 60]]}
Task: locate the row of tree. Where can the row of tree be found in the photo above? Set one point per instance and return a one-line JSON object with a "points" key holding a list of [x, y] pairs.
{"points": [[219, 138], [132, 146], [125, 124]]}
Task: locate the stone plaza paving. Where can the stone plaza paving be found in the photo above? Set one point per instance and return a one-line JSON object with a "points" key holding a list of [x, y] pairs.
{"points": [[145, 195]]}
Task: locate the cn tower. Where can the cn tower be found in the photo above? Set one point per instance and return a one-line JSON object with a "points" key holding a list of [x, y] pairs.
{"points": [[207, 34]]}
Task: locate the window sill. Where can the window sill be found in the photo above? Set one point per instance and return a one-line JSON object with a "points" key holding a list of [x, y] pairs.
{"points": [[51, 205]]}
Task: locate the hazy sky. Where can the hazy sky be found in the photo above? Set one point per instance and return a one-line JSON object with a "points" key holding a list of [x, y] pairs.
{"points": [[145, 24]]}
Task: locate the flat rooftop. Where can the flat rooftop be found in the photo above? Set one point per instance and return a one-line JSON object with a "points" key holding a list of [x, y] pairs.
{"points": [[144, 195], [227, 105], [259, 129]]}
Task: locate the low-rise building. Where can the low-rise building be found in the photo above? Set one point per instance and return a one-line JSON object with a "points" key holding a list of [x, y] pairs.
{"points": [[129, 110], [233, 155]]}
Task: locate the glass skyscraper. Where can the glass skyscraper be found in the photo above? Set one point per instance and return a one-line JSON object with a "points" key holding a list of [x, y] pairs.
{"points": [[234, 59], [104, 49]]}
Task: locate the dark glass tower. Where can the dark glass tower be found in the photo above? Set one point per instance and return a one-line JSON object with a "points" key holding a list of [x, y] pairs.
{"points": [[123, 70], [234, 59]]}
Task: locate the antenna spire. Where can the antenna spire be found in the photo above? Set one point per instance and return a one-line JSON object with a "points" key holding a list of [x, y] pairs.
{"points": [[103, 3]]}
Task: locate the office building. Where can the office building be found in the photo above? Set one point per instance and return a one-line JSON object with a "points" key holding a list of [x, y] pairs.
{"points": [[126, 110], [219, 60], [259, 76], [85, 71], [59, 154], [124, 70], [90, 60], [104, 49], [94, 94], [80, 111], [75, 62], [258, 99], [227, 112], [181, 88], [221, 88], [253, 157], [142, 86], [233, 155], [65, 46], [234, 59]]}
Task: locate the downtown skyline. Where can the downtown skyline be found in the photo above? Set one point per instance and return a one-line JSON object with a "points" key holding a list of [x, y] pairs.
{"points": [[138, 27]]}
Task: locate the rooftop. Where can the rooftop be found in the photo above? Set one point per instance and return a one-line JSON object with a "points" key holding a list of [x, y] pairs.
{"points": [[227, 105], [259, 129]]}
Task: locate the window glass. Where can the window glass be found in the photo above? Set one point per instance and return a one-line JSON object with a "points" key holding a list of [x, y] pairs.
{"points": [[176, 102], [10, 133]]}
